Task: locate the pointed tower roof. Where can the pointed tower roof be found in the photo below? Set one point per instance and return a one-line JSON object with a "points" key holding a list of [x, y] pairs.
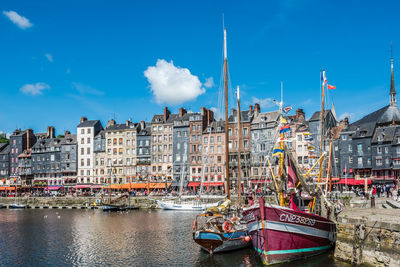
{"points": [[334, 111], [392, 94], [392, 87]]}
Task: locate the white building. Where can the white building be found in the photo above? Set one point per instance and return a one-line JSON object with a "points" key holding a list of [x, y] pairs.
{"points": [[86, 131]]}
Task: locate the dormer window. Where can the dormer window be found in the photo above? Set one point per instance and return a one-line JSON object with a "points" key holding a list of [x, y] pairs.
{"points": [[263, 118], [398, 139], [380, 137]]}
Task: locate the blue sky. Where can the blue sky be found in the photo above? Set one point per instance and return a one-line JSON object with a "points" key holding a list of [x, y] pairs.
{"points": [[69, 59]]}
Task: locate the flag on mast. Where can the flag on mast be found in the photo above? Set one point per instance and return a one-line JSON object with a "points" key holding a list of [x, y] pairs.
{"points": [[323, 78], [331, 86]]}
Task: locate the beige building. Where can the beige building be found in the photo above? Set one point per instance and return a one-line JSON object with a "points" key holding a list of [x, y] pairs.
{"points": [[214, 153], [120, 149]]}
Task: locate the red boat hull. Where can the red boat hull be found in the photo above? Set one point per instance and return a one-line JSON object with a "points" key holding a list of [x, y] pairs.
{"points": [[282, 234]]}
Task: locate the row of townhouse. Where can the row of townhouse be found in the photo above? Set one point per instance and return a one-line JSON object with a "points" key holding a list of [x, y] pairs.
{"points": [[186, 147]]}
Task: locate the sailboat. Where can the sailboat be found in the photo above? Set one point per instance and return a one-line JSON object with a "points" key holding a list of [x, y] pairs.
{"points": [[219, 229], [184, 204], [109, 206], [285, 232]]}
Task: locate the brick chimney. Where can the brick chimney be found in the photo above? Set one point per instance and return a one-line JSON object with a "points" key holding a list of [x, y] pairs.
{"points": [[66, 133], [300, 115], [166, 114], [257, 108], [50, 132], [182, 112], [29, 138], [344, 122], [83, 119], [110, 123], [142, 125], [128, 122], [250, 110]]}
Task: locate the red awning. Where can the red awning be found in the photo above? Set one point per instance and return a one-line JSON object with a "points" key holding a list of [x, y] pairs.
{"points": [[353, 181], [206, 184], [83, 186], [96, 186], [52, 188]]}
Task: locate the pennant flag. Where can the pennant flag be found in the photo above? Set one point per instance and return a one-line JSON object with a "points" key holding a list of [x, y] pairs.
{"points": [[287, 109], [283, 121], [291, 174], [331, 86], [303, 128], [323, 78], [277, 151], [310, 148], [285, 129], [306, 134]]}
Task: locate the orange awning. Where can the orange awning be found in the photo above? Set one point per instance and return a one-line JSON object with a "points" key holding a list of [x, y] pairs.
{"points": [[113, 186], [2, 188]]}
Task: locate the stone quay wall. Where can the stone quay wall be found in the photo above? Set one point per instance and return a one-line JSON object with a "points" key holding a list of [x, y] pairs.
{"points": [[369, 237]]}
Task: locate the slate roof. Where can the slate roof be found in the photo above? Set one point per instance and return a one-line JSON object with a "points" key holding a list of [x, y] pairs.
{"points": [[4, 148], [101, 134], [387, 132], [88, 123], [145, 131], [317, 115], [244, 116], [158, 118], [47, 142], [69, 139], [214, 127], [362, 130], [384, 115], [120, 127]]}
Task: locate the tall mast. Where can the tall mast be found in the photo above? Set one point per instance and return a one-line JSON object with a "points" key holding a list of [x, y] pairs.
{"points": [[228, 193], [239, 146], [322, 112], [282, 156]]}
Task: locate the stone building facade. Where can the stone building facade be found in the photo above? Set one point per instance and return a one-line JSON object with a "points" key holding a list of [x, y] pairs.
{"points": [[4, 162], [181, 144], [143, 151], [264, 134], [69, 156]]}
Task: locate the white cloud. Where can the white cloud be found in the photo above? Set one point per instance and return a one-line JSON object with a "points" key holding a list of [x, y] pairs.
{"points": [[18, 20], [84, 89], [346, 115], [172, 85], [34, 89], [209, 82], [264, 103], [49, 57]]}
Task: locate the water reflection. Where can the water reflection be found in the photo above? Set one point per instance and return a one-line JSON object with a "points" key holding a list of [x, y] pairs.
{"points": [[94, 238]]}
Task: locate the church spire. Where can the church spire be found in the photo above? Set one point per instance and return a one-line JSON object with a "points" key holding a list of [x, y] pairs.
{"points": [[392, 94]]}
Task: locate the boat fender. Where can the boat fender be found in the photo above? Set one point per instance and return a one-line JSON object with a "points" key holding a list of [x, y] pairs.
{"points": [[247, 238], [194, 225], [227, 226]]}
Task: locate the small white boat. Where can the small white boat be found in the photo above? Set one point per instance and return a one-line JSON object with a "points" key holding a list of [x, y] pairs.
{"points": [[189, 205], [17, 206]]}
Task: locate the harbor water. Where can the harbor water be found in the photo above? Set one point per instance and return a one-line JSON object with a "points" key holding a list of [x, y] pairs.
{"points": [[51, 237]]}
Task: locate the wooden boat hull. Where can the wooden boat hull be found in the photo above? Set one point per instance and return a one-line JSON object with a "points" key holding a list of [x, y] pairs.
{"points": [[285, 235], [213, 242], [113, 208], [16, 206]]}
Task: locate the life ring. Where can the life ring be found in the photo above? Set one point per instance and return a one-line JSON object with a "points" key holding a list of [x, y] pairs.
{"points": [[194, 225], [227, 226]]}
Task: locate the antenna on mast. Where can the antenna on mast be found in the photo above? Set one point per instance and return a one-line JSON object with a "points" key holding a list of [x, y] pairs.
{"points": [[281, 103]]}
